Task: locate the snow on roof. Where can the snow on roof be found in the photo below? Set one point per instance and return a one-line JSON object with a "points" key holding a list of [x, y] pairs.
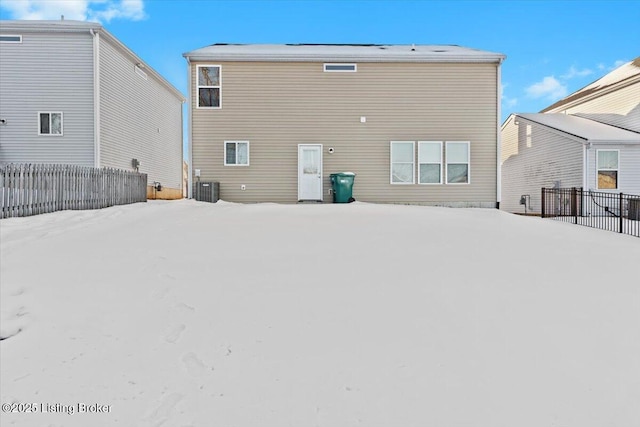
{"points": [[589, 130], [342, 52], [620, 74]]}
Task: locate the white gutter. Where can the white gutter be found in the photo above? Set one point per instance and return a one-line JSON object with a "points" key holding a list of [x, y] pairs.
{"points": [[190, 125], [96, 97], [498, 138]]}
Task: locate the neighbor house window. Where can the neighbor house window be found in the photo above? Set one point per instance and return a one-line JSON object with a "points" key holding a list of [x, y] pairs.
{"points": [[429, 162], [236, 153], [8, 38], [340, 68], [608, 166], [208, 86], [402, 162], [457, 155], [49, 123]]}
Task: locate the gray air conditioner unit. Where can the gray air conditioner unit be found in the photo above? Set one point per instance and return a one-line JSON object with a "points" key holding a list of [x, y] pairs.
{"points": [[206, 191]]}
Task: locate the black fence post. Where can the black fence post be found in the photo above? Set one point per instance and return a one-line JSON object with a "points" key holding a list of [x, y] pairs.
{"points": [[621, 215], [574, 204], [542, 204]]}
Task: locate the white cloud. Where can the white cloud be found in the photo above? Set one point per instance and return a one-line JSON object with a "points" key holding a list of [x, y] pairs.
{"points": [[506, 101], [574, 72], [80, 10], [549, 88]]}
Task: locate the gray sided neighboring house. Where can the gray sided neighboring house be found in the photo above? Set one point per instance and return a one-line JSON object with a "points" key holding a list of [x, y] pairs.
{"points": [[71, 93], [590, 139], [416, 124]]}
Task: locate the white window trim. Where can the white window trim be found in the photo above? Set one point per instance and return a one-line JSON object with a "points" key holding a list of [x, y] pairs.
{"points": [[61, 123], [219, 86], [11, 41], [413, 163], [446, 179], [430, 163], [608, 170], [236, 164], [355, 68]]}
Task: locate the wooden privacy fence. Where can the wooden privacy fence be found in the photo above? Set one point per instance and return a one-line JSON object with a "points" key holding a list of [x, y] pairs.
{"points": [[32, 189]]}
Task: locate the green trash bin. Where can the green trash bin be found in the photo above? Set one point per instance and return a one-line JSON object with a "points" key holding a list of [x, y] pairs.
{"points": [[342, 184]]}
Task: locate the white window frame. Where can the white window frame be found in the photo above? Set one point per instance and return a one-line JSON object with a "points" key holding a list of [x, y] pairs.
{"points": [[336, 64], [598, 169], [447, 163], [50, 113], [420, 143], [198, 86], [11, 41], [236, 143], [413, 162]]}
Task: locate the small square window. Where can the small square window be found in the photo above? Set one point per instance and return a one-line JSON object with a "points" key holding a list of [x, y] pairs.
{"points": [[50, 124], [236, 153]]}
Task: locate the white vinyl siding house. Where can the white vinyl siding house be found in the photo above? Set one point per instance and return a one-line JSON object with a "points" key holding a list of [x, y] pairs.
{"points": [[367, 108], [590, 139], [92, 103]]}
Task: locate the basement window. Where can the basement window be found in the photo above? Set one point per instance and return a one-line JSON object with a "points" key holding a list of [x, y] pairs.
{"points": [[340, 68], [10, 38]]}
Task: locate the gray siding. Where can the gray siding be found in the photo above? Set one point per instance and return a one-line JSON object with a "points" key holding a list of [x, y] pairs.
{"points": [[277, 106], [534, 156], [139, 119], [47, 72], [620, 108]]}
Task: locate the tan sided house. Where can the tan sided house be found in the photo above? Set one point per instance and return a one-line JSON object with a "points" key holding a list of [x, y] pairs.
{"points": [[416, 124]]}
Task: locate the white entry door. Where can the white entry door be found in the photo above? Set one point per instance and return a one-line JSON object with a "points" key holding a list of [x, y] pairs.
{"points": [[310, 172]]}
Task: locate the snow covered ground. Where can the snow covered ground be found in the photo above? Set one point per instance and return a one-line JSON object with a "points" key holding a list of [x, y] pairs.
{"points": [[194, 314]]}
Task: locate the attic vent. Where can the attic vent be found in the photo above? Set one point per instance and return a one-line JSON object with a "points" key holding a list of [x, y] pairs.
{"points": [[7, 38], [340, 68], [439, 50]]}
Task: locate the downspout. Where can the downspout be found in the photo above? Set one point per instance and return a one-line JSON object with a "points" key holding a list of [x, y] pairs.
{"points": [[190, 133], [498, 137], [96, 98], [585, 165]]}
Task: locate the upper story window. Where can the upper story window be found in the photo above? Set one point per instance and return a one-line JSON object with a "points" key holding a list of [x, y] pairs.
{"points": [[236, 153], [208, 86], [340, 68], [49, 123], [608, 167], [457, 155], [10, 38]]}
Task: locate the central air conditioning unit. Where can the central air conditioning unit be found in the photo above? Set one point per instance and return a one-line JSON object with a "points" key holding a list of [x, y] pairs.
{"points": [[206, 191]]}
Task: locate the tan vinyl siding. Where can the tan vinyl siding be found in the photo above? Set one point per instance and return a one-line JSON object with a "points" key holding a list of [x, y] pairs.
{"points": [[47, 72], [549, 157], [139, 118], [277, 106], [620, 108]]}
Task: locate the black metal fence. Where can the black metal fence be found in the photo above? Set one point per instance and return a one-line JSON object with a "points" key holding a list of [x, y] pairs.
{"points": [[32, 189], [608, 211]]}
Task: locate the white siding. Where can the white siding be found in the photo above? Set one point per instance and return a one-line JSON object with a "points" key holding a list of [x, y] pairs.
{"points": [[533, 158], [139, 119], [47, 72], [620, 108], [628, 174]]}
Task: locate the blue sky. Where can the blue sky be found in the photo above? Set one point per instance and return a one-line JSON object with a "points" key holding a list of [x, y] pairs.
{"points": [[553, 48]]}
